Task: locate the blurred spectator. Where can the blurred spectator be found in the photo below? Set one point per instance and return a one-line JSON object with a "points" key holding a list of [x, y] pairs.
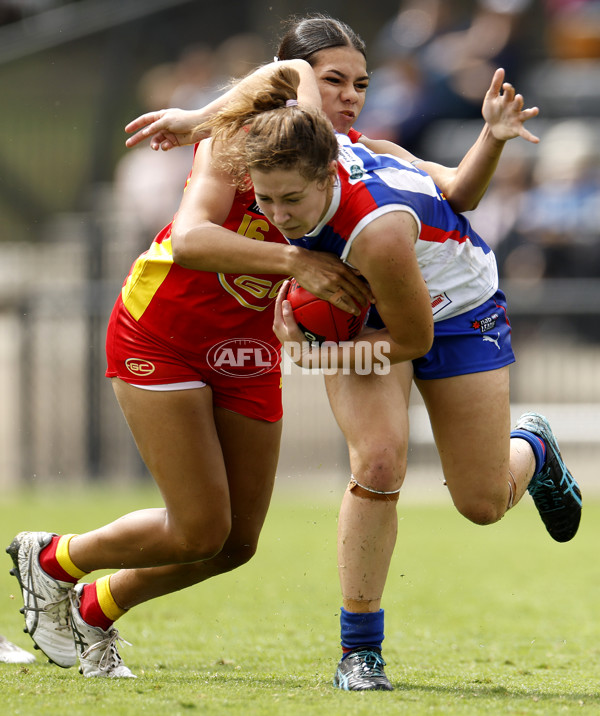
{"points": [[398, 82], [147, 184], [240, 54], [431, 70], [560, 213], [499, 211], [542, 215], [573, 29], [194, 78], [202, 78]]}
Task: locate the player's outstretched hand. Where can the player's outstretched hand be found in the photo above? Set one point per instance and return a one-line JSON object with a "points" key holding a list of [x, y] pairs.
{"points": [[325, 276], [166, 128], [503, 110]]}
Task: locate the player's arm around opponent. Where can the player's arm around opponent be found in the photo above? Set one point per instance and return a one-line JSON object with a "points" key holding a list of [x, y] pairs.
{"points": [[384, 253], [463, 185], [200, 242]]}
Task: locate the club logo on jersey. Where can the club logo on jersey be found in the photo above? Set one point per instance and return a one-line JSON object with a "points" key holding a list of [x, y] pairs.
{"points": [[485, 324], [251, 291], [356, 172], [139, 366], [243, 357], [353, 164]]}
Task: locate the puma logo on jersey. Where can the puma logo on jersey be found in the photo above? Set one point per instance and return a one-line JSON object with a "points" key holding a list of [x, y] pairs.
{"points": [[495, 341]]}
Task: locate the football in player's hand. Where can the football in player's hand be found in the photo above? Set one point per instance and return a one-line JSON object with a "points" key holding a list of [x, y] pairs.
{"points": [[320, 320]]}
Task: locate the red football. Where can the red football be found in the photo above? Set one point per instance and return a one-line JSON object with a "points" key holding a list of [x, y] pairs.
{"points": [[321, 321]]}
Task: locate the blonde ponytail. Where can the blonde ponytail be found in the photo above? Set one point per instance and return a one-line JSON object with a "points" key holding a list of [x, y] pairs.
{"points": [[263, 127]]}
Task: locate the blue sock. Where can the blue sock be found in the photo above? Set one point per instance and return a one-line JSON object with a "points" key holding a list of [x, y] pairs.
{"points": [[537, 445], [360, 629]]}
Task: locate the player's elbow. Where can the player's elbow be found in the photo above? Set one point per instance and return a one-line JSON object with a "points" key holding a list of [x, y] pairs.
{"points": [[178, 243], [461, 201], [186, 249], [180, 247], [416, 342], [422, 344], [405, 347], [425, 343], [465, 205]]}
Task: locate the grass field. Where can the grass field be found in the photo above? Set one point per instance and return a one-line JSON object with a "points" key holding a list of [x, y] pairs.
{"points": [[497, 620]]}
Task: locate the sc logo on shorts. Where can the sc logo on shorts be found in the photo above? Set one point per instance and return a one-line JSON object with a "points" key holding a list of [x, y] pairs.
{"points": [[139, 366], [243, 357]]}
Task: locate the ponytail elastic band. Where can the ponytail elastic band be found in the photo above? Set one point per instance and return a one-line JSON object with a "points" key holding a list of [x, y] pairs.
{"points": [[291, 102]]}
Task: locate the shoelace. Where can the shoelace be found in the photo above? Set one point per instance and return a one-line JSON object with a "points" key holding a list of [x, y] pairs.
{"points": [[61, 605], [546, 495], [62, 608], [109, 658], [372, 663]]}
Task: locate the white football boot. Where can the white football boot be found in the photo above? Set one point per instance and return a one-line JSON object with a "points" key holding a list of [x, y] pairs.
{"points": [[12, 654], [46, 601], [97, 648]]}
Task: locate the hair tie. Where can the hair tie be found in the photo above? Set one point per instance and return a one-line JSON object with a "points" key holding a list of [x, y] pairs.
{"points": [[291, 102]]}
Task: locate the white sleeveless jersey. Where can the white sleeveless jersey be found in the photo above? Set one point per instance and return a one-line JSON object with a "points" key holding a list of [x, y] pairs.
{"points": [[459, 268]]}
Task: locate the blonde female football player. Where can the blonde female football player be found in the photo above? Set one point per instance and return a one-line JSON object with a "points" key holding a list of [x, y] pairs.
{"points": [[61, 561], [207, 426]]}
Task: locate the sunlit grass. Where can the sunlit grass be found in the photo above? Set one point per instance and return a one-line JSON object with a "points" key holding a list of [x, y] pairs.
{"points": [[495, 619]]}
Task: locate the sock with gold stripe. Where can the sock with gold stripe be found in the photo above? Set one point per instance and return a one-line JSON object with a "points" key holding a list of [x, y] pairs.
{"points": [[97, 605], [55, 560]]}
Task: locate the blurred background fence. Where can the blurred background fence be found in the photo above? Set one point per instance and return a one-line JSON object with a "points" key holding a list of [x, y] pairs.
{"points": [[76, 207]]}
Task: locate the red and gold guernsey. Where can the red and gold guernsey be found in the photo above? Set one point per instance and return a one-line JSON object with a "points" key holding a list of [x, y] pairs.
{"points": [[187, 308], [173, 326]]}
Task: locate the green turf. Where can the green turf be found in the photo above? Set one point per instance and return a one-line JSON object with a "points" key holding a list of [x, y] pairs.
{"points": [[497, 620]]}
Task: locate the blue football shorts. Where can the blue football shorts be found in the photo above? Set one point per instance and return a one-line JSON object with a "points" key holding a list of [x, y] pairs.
{"points": [[472, 342]]}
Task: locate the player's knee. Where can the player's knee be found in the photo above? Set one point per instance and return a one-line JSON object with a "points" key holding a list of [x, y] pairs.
{"points": [[198, 551], [481, 512], [201, 544], [383, 470], [237, 555]]}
